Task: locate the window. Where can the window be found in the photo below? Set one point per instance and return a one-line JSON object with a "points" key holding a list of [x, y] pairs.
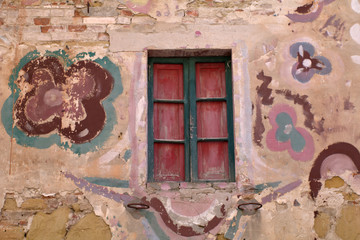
{"points": [[190, 119]]}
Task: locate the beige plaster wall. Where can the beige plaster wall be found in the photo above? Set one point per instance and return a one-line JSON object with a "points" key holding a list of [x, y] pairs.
{"points": [[296, 57]]}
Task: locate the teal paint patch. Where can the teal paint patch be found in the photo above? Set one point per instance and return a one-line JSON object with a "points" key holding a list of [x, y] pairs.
{"points": [[82, 55], [150, 217], [108, 182], [297, 141], [287, 131], [234, 226], [260, 187], [45, 142], [127, 155], [150, 234]]}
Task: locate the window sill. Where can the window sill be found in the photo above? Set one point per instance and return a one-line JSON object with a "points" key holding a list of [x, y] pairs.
{"points": [[206, 187]]}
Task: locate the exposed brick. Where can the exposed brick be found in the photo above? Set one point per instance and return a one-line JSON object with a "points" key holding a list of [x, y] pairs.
{"points": [[56, 36], [77, 20], [31, 12], [69, 13], [123, 20], [76, 28], [87, 36], [30, 29], [126, 13], [35, 37], [143, 20], [57, 12], [12, 233], [96, 28], [78, 13], [41, 21], [45, 29], [192, 13], [103, 37], [62, 20], [31, 2], [10, 204], [19, 21], [99, 20], [1, 21], [34, 204]]}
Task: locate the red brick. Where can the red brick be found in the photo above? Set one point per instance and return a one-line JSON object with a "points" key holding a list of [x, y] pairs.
{"points": [[78, 13], [41, 21], [192, 13], [1, 21], [46, 29], [76, 28], [31, 2], [126, 12]]}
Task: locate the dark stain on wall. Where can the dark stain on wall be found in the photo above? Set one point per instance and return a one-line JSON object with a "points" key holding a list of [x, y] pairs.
{"points": [[264, 98], [264, 91], [305, 8], [310, 123], [259, 128]]}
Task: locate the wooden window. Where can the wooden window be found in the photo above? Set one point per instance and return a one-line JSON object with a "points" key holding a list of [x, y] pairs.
{"points": [[190, 120]]}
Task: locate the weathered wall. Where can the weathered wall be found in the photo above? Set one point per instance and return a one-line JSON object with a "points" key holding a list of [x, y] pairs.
{"points": [[73, 97]]}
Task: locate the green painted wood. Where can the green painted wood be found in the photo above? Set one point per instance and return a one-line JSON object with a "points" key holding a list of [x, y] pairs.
{"points": [[190, 120], [230, 119], [193, 120], [213, 139], [150, 152]]}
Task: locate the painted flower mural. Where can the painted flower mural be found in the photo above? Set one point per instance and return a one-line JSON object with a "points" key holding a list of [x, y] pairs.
{"points": [[285, 136], [69, 99], [307, 64]]}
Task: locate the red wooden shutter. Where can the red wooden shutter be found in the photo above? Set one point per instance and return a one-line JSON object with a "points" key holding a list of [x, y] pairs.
{"points": [[169, 157], [213, 157]]}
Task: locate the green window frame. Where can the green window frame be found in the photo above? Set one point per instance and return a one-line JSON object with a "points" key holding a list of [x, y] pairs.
{"points": [[190, 115]]}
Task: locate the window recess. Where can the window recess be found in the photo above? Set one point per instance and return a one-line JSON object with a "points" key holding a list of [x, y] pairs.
{"points": [[190, 119]]}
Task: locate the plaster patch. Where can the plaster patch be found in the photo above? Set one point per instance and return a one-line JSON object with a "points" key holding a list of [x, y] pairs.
{"points": [[191, 213]]}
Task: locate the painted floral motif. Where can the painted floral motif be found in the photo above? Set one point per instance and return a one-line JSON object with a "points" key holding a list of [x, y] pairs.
{"points": [[53, 94], [286, 136], [307, 64], [67, 101]]}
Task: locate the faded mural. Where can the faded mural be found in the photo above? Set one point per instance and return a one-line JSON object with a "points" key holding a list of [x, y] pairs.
{"points": [[74, 119], [74, 100]]}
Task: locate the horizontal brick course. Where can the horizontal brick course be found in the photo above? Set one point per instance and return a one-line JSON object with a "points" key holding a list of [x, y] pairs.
{"points": [[126, 13], [77, 28], [99, 20], [123, 20], [62, 20], [35, 12], [57, 12], [192, 13], [41, 21], [45, 29], [103, 37], [36, 37], [96, 28]]}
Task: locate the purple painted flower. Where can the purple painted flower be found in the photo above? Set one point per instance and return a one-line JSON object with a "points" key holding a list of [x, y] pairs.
{"points": [[307, 64]]}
